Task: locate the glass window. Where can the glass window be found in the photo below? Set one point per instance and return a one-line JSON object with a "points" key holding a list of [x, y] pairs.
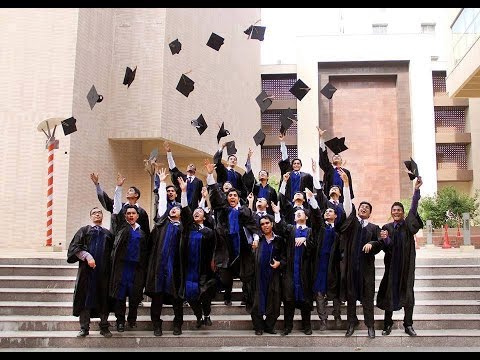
{"points": [[427, 28]]}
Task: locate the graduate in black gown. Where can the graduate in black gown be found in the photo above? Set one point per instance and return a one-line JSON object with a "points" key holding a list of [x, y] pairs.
{"points": [[270, 260], [129, 267], [228, 173], [396, 287], [91, 247], [165, 269]]}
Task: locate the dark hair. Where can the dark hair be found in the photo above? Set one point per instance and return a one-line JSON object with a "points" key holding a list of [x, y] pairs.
{"points": [[265, 171], [298, 160], [128, 206], [233, 190], [268, 217], [235, 156], [399, 204], [171, 186], [306, 211], [367, 203], [94, 209], [136, 191]]}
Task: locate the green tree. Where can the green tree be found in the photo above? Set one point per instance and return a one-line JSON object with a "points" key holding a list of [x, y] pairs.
{"points": [[274, 181], [448, 205]]}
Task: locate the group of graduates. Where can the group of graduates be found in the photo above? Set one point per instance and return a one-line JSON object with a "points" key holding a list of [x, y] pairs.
{"points": [[307, 244]]}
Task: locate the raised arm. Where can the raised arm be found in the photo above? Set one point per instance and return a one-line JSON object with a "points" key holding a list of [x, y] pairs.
{"points": [[117, 198], [347, 201], [162, 192]]}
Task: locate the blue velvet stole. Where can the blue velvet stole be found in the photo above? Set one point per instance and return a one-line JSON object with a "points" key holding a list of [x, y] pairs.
{"points": [[232, 177], [264, 193], [297, 267], [192, 277], [96, 248], [266, 273], [320, 284], [337, 180], [294, 183], [130, 263], [234, 232], [165, 267]]}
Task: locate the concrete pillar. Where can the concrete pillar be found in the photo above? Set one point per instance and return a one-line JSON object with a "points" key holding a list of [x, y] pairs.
{"points": [[429, 243], [467, 244]]}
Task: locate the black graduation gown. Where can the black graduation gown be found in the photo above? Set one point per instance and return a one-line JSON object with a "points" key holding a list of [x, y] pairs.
{"points": [[251, 185], [207, 280], [197, 187], [274, 291], [222, 175], [223, 247], [306, 180], [157, 239], [119, 221], [119, 254], [328, 173], [407, 253], [81, 241], [287, 231], [360, 268], [287, 210]]}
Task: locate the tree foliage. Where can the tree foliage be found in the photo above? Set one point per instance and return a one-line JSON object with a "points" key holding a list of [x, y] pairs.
{"points": [[447, 206]]}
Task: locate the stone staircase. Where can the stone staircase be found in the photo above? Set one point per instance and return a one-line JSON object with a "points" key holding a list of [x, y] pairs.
{"points": [[36, 306]]}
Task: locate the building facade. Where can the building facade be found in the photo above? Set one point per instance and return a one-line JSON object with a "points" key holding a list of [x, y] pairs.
{"points": [[52, 57]]}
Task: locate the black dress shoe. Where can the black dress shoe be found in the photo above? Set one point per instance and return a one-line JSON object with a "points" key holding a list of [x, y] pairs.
{"points": [[371, 332], [207, 321], [157, 331], [120, 327], [132, 324], [409, 330], [308, 331], [270, 331], [350, 330], [323, 325], [199, 323], [287, 331], [387, 330], [228, 302], [258, 332], [338, 321], [177, 330], [106, 333], [82, 333]]}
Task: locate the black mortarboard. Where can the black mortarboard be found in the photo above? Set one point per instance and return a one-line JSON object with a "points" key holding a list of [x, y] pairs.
{"points": [[286, 119], [337, 145], [231, 149], [175, 46], [264, 101], [215, 41], [328, 90], [255, 32], [222, 132], [259, 137], [185, 85], [153, 154], [129, 76], [69, 126], [412, 169], [200, 124], [93, 97], [299, 89]]}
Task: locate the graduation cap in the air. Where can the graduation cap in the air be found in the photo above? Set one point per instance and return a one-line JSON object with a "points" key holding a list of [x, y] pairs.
{"points": [[93, 97], [153, 154], [175, 46], [185, 85], [215, 41], [231, 149], [264, 101], [129, 76], [200, 124], [259, 137], [256, 32], [299, 89], [222, 132], [286, 119], [328, 90], [412, 169], [337, 145], [69, 126]]}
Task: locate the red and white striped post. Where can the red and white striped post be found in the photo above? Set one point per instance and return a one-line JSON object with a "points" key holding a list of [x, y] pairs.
{"points": [[51, 148]]}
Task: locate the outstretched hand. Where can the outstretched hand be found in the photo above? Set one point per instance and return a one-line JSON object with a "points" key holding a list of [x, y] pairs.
{"points": [[418, 183], [209, 166], [94, 178], [120, 179], [320, 131]]}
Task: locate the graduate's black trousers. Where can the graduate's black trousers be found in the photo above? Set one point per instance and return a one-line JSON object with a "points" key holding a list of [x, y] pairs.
{"points": [[202, 305], [120, 309], [227, 275], [84, 319], [407, 319], [367, 304], [289, 312], [156, 310]]}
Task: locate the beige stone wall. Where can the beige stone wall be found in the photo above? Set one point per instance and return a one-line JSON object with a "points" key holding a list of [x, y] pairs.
{"points": [[37, 63]]}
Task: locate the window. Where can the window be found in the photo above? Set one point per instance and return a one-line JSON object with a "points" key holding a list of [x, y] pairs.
{"points": [[427, 28], [379, 28]]}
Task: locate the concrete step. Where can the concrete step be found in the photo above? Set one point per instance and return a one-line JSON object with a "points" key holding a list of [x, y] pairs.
{"points": [[234, 322], [439, 270], [49, 282], [218, 308], [207, 338], [34, 261], [38, 270]]}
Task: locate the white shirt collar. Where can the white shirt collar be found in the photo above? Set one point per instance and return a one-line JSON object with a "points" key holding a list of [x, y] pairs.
{"points": [[365, 221], [301, 227], [136, 226]]}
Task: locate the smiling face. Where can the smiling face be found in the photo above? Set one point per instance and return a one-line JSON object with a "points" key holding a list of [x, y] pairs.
{"points": [[198, 216], [364, 210], [296, 165], [266, 226], [233, 198], [329, 215], [171, 193], [397, 212]]}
